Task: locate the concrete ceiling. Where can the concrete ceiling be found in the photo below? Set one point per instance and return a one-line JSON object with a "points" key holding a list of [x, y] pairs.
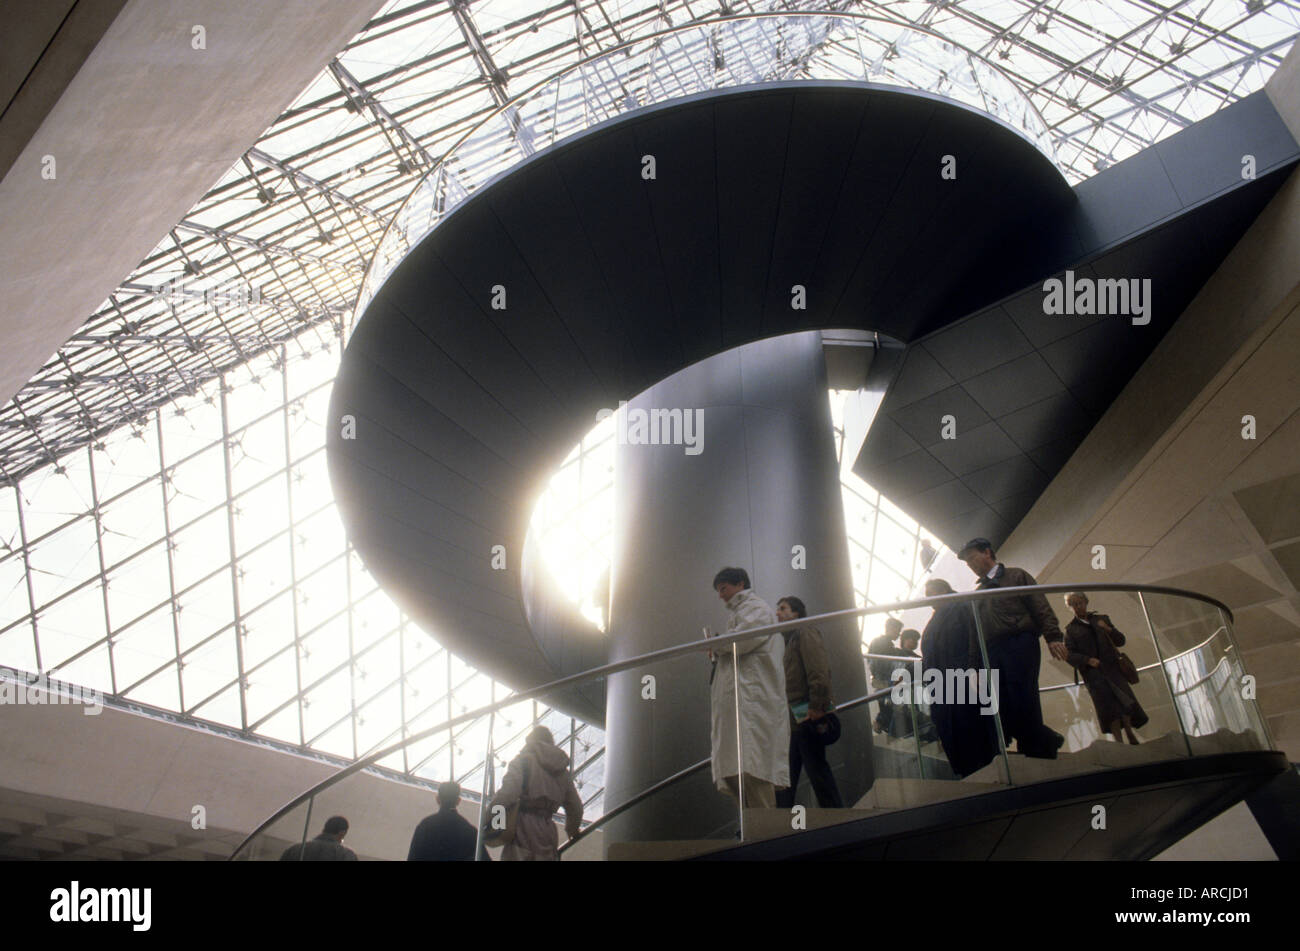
{"points": [[140, 125], [1167, 482], [44, 828], [1024, 387]]}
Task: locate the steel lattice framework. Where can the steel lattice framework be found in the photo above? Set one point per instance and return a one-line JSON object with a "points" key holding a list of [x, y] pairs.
{"points": [[166, 528], [282, 242]]}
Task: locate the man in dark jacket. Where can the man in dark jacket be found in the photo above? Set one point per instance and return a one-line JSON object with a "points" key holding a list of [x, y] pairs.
{"points": [[326, 847], [445, 836], [949, 644], [1012, 627], [808, 692]]}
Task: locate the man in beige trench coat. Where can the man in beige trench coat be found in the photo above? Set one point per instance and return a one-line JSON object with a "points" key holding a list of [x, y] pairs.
{"points": [[764, 718]]}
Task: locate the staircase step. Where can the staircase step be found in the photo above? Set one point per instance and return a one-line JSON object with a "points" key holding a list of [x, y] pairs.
{"points": [[886, 793], [1101, 754], [759, 824], [772, 823], [668, 850]]}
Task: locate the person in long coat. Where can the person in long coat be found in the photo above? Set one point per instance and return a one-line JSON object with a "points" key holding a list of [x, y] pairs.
{"points": [[764, 718], [548, 786], [949, 642], [1093, 641]]}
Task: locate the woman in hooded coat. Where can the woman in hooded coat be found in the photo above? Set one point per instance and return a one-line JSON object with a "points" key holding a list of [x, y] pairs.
{"points": [[548, 786]]}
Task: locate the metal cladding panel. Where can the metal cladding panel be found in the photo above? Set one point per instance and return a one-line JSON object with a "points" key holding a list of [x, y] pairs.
{"points": [[766, 480], [614, 282], [992, 405]]}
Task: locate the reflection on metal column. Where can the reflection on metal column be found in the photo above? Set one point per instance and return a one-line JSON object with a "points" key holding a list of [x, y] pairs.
{"points": [[761, 480]]}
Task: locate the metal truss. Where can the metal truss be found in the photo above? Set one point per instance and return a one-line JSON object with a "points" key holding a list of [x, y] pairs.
{"points": [[282, 242], [149, 580]]}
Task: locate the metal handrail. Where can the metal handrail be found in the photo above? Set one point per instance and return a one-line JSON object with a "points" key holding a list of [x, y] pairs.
{"points": [[1152, 666], [876, 695], [710, 644], [689, 771]]}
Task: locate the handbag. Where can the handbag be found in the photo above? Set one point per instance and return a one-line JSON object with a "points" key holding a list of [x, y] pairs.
{"points": [[1122, 661], [493, 836]]}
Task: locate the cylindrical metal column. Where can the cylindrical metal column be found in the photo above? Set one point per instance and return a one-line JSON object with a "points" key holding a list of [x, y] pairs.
{"points": [[759, 489]]}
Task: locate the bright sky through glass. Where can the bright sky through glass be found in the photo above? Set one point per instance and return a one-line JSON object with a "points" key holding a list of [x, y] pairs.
{"points": [[299, 217], [573, 520]]}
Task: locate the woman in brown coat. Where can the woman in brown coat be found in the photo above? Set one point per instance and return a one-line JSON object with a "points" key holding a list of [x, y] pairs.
{"points": [[1092, 642]]}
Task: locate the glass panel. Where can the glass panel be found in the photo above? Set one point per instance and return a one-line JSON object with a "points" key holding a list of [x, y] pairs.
{"points": [[268, 630], [131, 522], [13, 589], [71, 625], [1206, 673], [134, 589], [209, 669], [161, 690], [63, 560], [205, 608], [257, 451], [270, 686], [196, 485], [201, 549], [18, 648]]}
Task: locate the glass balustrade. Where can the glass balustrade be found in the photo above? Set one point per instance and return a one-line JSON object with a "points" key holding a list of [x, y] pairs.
{"points": [[957, 721]]}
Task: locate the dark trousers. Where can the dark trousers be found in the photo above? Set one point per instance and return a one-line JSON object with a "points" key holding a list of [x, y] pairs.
{"points": [[806, 750], [1016, 658]]}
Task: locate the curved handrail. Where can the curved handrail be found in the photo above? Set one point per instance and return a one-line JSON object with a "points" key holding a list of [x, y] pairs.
{"points": [[1221, 629], [372, 280], [711, 644], [691, 770], [876, 695]]}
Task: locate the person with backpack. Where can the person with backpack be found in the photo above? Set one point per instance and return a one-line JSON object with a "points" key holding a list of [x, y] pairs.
{"points": [[538, 783]]}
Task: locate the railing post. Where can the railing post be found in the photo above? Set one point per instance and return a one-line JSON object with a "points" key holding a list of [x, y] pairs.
{"points": [[740, 750], [913, 713], [995, 687], [306, 824], [483, 799], [1160, 657]]}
